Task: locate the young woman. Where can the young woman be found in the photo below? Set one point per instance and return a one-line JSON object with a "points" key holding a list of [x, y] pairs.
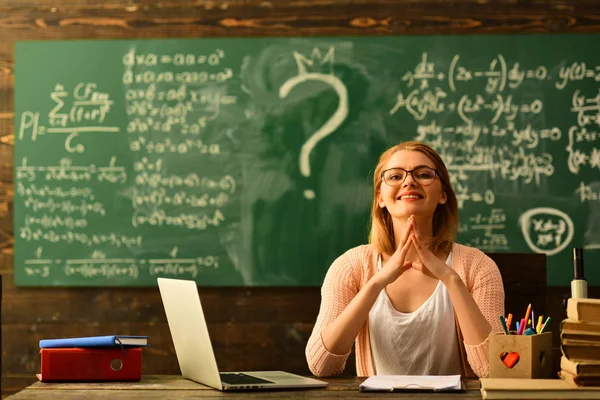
{"points": [[414, 301]]}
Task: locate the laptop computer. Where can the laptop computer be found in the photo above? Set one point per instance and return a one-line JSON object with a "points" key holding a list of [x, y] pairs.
{"points": [[194, 349]]}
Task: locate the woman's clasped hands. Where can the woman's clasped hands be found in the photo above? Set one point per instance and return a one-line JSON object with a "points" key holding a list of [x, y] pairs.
{"points": [[396, 265], [428, 263]]}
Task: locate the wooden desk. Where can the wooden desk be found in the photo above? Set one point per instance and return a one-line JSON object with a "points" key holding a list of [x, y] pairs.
{"points": [[177, 388]]}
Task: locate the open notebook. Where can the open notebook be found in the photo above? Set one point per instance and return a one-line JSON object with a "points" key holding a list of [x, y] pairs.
{"points": [[427, 383]]}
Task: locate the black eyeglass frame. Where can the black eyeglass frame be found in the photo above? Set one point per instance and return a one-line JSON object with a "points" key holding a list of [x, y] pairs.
{"points": [[411, 173]]}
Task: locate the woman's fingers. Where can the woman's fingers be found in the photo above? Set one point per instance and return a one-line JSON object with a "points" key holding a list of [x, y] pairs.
{"points": [[396, 265], [404, 248], [418, 245], [408, 231], [407, 245], [401, 255], [423, 269], [421, 251], [416, 227], [406, 235], [417, 265]]}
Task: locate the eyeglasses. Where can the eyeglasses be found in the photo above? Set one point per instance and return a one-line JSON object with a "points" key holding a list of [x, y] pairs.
{"points": [[422, 175]]}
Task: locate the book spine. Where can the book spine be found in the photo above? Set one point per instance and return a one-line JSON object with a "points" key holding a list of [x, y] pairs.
{"points": [[98, 341], [77, 364]]}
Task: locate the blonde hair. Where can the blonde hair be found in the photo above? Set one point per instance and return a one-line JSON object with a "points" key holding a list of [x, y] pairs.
{"points": [[445, 217]]}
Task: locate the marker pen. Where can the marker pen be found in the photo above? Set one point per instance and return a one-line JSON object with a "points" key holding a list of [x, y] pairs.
{"points": [[578, 284]]}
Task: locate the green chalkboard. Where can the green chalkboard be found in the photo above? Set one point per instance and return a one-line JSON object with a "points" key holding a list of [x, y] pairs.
{"points": [[248, 161]]}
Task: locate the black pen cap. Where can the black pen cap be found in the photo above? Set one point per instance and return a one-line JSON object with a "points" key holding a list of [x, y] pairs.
{"points": [[578, 263]]}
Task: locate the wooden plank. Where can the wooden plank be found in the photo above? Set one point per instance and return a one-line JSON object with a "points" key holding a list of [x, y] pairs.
{"points": [[6, 126], [144, 309], [238, 346], [263, 334], [6, 208], [12, 383], [202, 394], [225, 4], [295, 19], [137, 307], [343, 388], [181, 395], [148, 382], [300, 6], [122, 4], [6, 258], [47, 305]]}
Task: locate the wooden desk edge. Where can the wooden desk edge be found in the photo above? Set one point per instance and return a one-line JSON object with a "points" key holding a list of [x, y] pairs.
{"points": [[178, 382]]}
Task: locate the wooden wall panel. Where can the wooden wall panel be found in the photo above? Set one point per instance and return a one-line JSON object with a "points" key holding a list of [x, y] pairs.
{"points": [[269, 326]]}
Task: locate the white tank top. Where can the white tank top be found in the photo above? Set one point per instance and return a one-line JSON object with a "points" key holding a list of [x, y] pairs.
{"points": [[422, 342]]}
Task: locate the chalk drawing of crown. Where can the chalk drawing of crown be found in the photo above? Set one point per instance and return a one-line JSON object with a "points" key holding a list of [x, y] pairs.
{"points": [[317, 63]]}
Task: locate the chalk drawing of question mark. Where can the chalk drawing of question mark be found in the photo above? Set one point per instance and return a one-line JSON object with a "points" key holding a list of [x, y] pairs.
{"points": [[332, 123]]}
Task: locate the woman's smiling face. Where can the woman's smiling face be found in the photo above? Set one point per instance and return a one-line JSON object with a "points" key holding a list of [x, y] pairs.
{"points": [[411, 195]]}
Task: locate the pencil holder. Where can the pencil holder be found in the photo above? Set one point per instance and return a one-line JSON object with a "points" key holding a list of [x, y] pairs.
{"points": [[520, 356]]}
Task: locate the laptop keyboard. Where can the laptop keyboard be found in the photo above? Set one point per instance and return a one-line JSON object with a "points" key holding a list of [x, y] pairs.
{"points": [[241, 379]]}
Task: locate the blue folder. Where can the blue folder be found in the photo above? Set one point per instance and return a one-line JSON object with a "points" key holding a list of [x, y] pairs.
{"points": [[96, 341]]}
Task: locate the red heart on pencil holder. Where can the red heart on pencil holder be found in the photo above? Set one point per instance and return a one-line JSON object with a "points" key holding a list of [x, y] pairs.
{"points": [[510, 359]]}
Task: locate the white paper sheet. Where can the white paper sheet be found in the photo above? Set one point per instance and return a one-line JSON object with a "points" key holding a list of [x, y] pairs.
{"points": [[411, 382]]}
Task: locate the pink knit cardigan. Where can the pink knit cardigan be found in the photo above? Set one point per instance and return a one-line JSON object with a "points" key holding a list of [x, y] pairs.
{"points": [[352, 270]]}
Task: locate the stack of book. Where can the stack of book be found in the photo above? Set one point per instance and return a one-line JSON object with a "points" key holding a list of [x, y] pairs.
{"points": [[580, 343], [92, 359]]}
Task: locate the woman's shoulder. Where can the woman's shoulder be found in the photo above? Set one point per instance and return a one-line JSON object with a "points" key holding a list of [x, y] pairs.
{"points": [[361, 251], [468, 258], [356, 260], [476, 269], [466, 251], [358, 255]]}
